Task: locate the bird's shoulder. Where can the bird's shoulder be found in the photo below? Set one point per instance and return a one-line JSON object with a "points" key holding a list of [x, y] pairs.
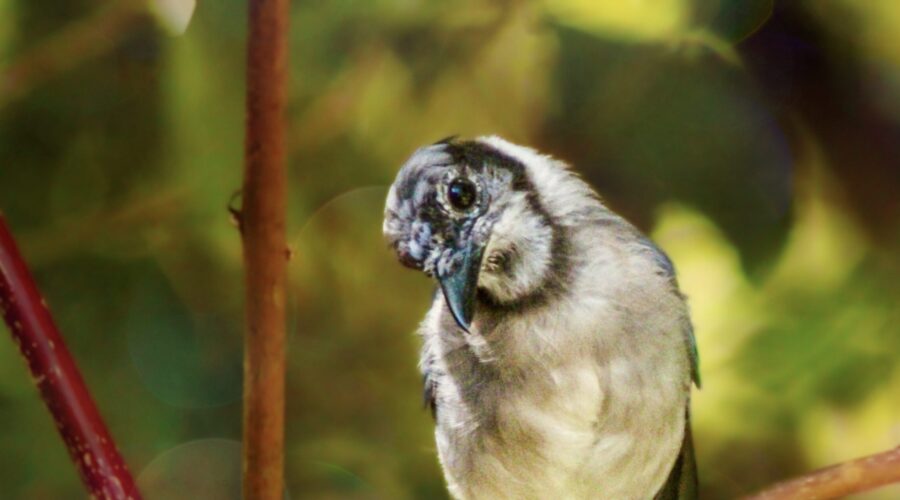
{"points": [[656, 271], [665, 268]]}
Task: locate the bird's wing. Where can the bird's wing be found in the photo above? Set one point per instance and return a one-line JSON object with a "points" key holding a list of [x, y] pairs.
{"points": [[428, 393], [682, 481], [427, 361], [667, 269]]}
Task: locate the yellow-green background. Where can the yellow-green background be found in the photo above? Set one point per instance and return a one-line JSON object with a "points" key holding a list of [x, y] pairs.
{"points": [[758, 144]]}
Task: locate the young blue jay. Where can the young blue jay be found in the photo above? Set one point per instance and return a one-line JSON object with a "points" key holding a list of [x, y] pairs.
{"points": [[558, 355]]}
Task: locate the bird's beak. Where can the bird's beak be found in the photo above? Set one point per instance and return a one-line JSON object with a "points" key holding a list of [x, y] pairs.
{"points": [[460, 285]]}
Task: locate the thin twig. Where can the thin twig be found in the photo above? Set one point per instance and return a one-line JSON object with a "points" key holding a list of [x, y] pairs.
{"points": [[70, 233], [90, 445], [263, 234], [84, 39], [839, 480]]}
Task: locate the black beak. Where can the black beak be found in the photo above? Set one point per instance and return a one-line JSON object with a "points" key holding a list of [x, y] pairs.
{"points": [[461, 285]]}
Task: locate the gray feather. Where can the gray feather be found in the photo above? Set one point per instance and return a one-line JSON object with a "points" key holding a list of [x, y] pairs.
{"points": [[682, 481], [573, 377]]}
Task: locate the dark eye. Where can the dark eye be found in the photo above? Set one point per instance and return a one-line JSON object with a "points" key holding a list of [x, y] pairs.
{"points": [[461, 193]]}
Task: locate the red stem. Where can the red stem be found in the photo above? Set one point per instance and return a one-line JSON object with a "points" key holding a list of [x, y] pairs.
{"points": [[102, 469]]}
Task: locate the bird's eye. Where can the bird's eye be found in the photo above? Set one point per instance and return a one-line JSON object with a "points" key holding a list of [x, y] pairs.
{"points": [[461, 193]]}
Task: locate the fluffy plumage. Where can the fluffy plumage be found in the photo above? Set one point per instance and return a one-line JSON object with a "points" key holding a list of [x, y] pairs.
{"points": [[558, 355]]}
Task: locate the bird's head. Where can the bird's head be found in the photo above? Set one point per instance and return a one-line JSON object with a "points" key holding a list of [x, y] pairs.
{"points": [[468, 214]]}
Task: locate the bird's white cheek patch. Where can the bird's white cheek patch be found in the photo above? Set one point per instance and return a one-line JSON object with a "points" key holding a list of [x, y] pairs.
{"points": [[525, 240]]}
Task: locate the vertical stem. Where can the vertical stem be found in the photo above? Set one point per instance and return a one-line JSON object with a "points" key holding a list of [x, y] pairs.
{"points": [[263, 232], [53, 369]]}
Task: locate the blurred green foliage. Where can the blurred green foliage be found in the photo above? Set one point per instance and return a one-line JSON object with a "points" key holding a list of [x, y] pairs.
{"points": [[757, 142]]}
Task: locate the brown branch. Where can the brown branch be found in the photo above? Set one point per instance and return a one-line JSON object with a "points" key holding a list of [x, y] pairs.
{"points": [[839, 480], [72, 232], [102, 469], [263, 234], [87, 38]]}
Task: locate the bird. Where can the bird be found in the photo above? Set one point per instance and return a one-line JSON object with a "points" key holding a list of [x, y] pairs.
{"points": [[558, 354]]}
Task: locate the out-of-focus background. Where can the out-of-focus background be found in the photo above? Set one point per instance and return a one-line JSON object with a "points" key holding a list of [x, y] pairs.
{"points": [[757, 142]]}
